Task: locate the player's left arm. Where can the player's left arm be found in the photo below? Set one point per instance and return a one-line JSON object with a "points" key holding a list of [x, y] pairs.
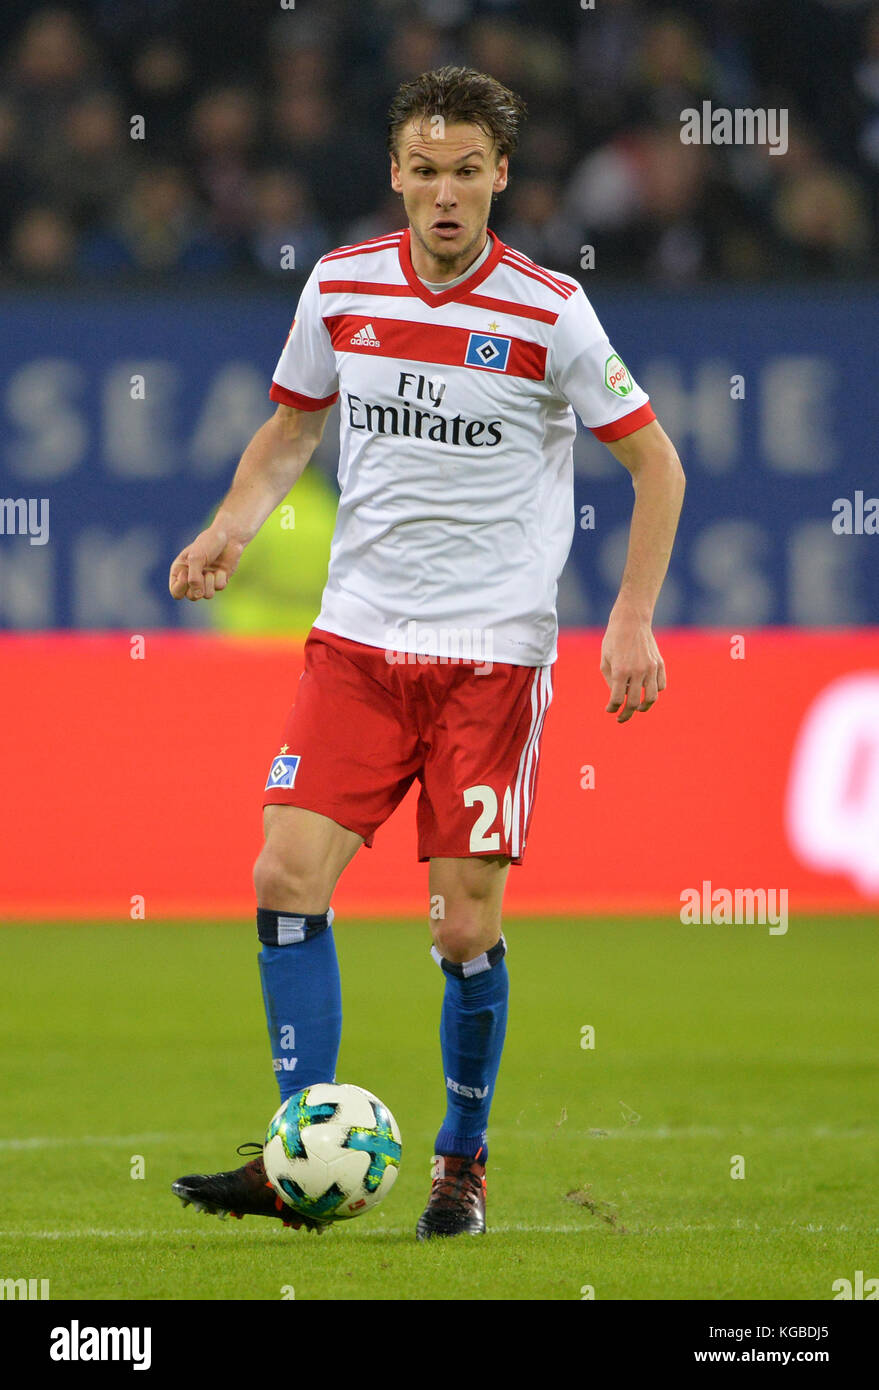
{"points": [[630, 659]]}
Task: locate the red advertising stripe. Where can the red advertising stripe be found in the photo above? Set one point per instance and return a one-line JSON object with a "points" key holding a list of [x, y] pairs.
{"points": [[442, 346], [745, 790]]}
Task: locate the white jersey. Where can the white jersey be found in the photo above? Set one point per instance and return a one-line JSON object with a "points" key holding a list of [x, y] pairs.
{"points": [[456, 512]]}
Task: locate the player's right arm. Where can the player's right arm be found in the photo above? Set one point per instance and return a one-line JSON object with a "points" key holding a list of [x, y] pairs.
{"points": [[273, 461]]}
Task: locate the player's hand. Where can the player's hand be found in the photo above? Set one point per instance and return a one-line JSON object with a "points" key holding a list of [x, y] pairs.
{"points": [[205, 567], [631, 664]]}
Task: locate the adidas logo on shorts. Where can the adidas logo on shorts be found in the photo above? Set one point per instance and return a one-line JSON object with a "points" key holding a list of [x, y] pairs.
{"points": [[365, 337]]}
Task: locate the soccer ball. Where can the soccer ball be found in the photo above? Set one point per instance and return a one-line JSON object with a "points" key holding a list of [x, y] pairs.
{"points": [[332, 1152]]}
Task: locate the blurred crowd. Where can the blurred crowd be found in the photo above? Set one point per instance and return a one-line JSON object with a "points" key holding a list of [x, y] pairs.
{"points": [[186, 140]]}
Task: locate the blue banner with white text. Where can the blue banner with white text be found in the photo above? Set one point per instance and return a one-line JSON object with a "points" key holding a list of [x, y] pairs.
{"points": [[122, 421]]}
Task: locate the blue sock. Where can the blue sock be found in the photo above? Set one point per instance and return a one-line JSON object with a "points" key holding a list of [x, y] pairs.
{"points": [[302, 994], [472, 1028]]}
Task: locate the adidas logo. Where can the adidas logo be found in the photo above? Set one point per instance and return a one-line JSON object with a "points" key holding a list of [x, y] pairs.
{"points": [[365, 337]]}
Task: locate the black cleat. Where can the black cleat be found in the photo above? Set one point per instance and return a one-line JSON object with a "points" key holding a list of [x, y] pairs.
{"points": [[241, 1192], [456, 1205]]}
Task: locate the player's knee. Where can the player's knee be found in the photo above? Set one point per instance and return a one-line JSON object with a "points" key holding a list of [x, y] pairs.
{"points": [[466, 906], [465, 935], [287, 885]]}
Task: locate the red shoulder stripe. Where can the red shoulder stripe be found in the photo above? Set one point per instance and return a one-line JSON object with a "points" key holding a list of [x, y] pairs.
{"points": [[508, 306], [528, 264], [564, 291], [476, 301], [386, 243], [363, 287]]}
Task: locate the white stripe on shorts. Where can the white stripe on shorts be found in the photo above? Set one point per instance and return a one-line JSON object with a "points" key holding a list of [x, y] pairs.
{"points": [[541, 695]]}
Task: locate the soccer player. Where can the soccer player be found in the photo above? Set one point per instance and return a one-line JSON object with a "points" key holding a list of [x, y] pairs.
{"points": [[458, 364]]}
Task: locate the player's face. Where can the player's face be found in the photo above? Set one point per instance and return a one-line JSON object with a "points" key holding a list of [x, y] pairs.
{"points": [[447, 175]]}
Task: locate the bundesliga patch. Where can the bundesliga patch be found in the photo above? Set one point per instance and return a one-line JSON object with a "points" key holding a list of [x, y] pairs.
{"points": [[282, 772], [487, 350]]}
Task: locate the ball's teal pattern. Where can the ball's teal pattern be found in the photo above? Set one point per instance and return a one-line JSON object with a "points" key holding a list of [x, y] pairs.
{"points": [[297, 1115], [322, 1208], [379, 1143]]}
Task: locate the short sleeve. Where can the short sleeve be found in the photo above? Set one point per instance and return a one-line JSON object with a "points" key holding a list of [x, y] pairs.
{"points": [[587, 373], [306, 376]]}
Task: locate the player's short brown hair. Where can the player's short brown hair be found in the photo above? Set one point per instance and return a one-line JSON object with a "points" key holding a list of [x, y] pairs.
{"points": [[459, 95]]}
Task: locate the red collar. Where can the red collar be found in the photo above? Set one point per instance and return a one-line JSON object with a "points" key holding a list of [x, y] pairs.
{"points": [[458, 291]]}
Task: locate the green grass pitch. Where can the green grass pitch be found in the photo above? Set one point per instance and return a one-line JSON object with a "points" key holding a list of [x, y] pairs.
{"points": [[717, 1049]]}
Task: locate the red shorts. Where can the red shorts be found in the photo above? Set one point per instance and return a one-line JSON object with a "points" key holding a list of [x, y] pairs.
{"points": [[362, 729]]}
